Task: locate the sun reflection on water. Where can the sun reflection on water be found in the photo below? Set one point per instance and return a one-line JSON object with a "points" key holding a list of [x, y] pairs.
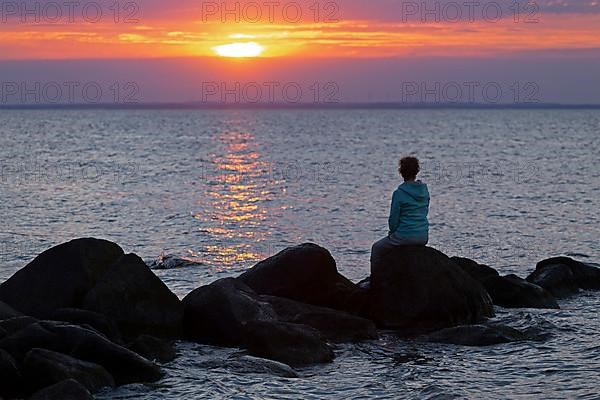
{"points": [[237, 191]]}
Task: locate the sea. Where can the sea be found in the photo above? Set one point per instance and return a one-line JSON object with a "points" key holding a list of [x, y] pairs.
{"points": [[228, 188]]}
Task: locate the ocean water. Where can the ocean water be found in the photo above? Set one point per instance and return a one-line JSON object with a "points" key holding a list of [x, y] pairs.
{"points": [[229, 188]]}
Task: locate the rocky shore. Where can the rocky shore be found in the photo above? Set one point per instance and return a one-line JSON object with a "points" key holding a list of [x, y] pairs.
{"points": [[84, 316]]}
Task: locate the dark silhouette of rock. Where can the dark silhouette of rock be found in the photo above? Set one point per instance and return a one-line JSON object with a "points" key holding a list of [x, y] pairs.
{"points": [[513, 292], [305, 273], [477, 271], [43, 368], [84, 344], [11, 382], [564, 276], [216, 313], [417, 289], [250, 364], [59, 277], [7, 312], [475, 335], [136, 299], [334, 325], [173, 262], [65, 390], [507, 291], [153, 349], [292, 344], [13, 325], [99, 322]]}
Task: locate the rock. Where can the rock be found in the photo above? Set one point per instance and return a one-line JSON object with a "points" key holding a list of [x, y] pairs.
{"points": [[305, 273], [172, 262], [136, 299], [513, 292], [417, 289], [215, 314], [15, 324], [153, 349], [558, 279], [334, 325], [59, 277], [477, 271], [7, 312], [84, 344], [256, 365], [292, 344], [11, 381], [99, 322], [563, 276], [44, 368], [65, 390], [475, 335]]}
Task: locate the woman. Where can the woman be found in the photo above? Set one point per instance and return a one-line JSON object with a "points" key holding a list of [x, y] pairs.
{"points": [[408, 215]]}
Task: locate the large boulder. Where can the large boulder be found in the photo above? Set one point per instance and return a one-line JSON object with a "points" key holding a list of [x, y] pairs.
{"points": [[334, 325], [216, 313], [564, 276], [305, 273], [292, 344], [59, 277], [7, 312], [65, 390], [99, 322], [510, 291], [417, 289], [43, 368], [11, 381], [84, 344], [136, 299], [154, 349]]}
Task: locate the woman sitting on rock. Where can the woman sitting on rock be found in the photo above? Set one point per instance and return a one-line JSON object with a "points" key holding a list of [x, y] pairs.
{"points": [[408, 216]]}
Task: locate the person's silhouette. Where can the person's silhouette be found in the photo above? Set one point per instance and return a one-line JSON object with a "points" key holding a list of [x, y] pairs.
{"points": [[408, 221]]}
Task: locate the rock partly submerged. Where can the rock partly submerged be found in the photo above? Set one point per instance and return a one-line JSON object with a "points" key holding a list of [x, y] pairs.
{"points": [[475, 335], [564, 276], [417, 289], [508, 291]]}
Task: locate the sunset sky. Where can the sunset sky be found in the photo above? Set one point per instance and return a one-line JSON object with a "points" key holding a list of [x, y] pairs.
{"points": [[556, 44]]}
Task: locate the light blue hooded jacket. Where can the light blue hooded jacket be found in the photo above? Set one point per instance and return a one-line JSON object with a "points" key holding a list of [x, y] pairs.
{"points": [[408, 214]]}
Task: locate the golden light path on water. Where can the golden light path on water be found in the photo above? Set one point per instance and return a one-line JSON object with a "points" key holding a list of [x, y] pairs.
{"points": [[235, 195]]}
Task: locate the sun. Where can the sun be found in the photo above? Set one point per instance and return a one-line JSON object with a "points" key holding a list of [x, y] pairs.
{"points": [[239, 50]]}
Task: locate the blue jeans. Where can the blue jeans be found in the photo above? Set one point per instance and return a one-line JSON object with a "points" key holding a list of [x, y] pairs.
{"points": [[386, 244]]}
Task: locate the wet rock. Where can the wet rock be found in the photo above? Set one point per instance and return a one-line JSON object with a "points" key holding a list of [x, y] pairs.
{"points": [[7, 312], [65, 390], [13, 325], [334, 325], [59, 277], [292, 344], [475, 335], [563, 276], [173, 262], [477, 271], [84, 344], [99, 322], [153, 348], [417, 289], [256, 365], [10, 378], [43, 368], [513, 292], [558, 279], [305, 273], [136, 299], [216, 313]]}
